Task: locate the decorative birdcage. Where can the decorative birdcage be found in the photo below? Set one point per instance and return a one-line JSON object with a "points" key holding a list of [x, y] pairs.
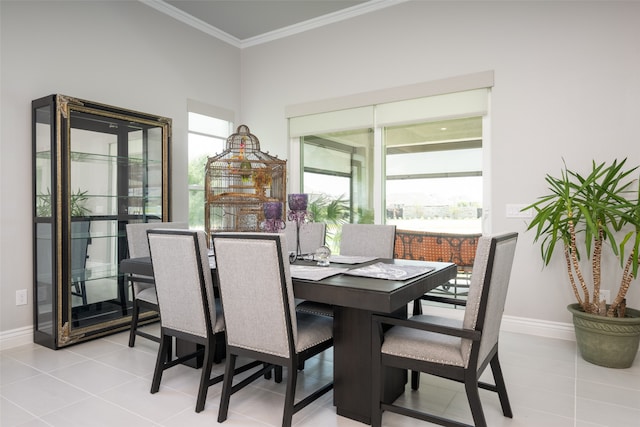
{"points": [[238, 181]]}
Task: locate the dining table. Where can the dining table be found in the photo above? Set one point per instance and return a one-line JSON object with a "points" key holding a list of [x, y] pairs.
{"points": [[355, 298]]}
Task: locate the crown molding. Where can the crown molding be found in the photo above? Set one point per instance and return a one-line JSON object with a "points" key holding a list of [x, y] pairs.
{"points": [[310, 24], [330, 18], [192, 21]]}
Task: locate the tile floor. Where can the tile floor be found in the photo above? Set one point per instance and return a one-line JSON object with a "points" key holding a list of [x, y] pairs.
{"points": [[105, 383]]}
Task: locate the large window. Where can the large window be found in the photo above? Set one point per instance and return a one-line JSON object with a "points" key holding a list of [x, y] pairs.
{"points": [[416, 163], [207, 137]]}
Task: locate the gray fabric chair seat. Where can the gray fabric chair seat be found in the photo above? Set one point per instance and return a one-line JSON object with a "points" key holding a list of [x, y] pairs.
{"points": [[312, 330], [148, 295], [407, 342], [313, 307]]}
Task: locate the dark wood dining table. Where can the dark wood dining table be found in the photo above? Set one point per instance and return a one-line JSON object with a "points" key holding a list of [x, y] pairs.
{"points": [[355, 299]]}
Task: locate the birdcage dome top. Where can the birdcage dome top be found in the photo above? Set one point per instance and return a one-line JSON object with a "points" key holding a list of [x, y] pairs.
{"points": [[243, 140]]}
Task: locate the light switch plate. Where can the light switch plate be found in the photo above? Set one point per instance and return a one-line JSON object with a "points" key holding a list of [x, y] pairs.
{"points": [[514, 210]]}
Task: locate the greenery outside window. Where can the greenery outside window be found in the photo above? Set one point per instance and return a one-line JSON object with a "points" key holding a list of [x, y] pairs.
{"points": [[207, 137]]}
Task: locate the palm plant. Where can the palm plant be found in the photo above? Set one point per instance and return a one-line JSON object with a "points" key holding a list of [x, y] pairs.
{"points": [[332, 211], [77, 199], [593, 212]]}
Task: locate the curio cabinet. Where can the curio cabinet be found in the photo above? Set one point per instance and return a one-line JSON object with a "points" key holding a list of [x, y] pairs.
{"points": [[96, 168]]}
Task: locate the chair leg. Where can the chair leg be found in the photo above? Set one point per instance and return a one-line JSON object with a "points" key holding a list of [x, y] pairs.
{"points": [[473, 396], [226, 387], [415, 380], [163, 357], [83, 290], [204, 377], [417, 306], [278, 374], [134, 323], [290, 394], [501, 387]]}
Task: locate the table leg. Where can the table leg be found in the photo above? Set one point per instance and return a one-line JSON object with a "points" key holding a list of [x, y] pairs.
{"points": [[352, 361]]}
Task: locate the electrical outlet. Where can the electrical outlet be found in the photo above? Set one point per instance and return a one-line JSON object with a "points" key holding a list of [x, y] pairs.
{"points": [[605, 295], [21, 297]]}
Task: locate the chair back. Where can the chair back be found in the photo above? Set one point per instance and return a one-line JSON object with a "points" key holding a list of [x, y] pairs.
{"points": [[488, 291], [256, 291], [312, 236], [376, 240], [137, 236], [183, 280], [79, 248]]}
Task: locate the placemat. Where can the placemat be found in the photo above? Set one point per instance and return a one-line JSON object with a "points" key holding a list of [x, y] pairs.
{"points": [[314, 273], [381, 270]]}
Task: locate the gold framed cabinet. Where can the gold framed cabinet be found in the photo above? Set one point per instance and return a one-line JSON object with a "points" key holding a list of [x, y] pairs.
{"points": [[96, 168]]}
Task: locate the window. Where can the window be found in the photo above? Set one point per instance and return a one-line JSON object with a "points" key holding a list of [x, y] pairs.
{"points": [[434, 176], [416, 163], [338, 166], [207, 137]]}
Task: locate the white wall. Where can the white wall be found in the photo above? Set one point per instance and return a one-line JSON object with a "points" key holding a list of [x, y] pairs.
{"points": [[120, 53], [566, 85]]}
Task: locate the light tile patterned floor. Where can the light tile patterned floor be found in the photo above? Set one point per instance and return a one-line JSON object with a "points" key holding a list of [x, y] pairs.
{"points": [[106, 383]]}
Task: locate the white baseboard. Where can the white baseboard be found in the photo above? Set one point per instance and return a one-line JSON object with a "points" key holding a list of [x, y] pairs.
{"points": [[521, 325], [542, 328], [16, 337]]}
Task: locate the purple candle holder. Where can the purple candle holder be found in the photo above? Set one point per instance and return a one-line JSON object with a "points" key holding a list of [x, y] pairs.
{"points": [[298, 202], [272, 210], [298, 212]]}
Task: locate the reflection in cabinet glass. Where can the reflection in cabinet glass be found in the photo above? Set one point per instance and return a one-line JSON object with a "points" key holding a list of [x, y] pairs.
{"points": [[96, 168]]}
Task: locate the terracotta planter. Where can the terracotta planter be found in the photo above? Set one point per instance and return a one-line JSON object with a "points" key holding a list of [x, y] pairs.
{"points": [[607, 341]]}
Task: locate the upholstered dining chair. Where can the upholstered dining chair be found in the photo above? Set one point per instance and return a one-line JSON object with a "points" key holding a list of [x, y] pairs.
{"points": [[312, 235], [144, 291], [376, 240], [186, 299], [448, 348], [79, 254], [260, 316]]}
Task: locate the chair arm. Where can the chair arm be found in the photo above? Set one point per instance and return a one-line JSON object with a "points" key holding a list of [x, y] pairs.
{"points": [[141, 279], [471, 334]]}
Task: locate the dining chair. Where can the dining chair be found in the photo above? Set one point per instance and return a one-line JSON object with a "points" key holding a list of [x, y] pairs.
{"points": [[79, 255], [376, 240], [186, 299], [312, 236], [458, 350], [144, 292], [260, 316]]}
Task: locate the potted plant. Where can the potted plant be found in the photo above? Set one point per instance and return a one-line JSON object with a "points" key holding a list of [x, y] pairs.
{"points": [[582, 216]]}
